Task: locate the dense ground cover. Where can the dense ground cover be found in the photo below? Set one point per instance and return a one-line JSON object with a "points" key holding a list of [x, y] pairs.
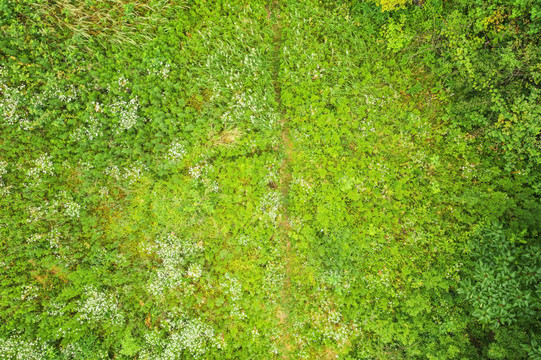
{"points": [[256, 180]]}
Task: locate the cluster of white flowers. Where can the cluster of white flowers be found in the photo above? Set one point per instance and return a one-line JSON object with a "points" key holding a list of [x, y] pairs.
{"points": [[29, 292], [68, 95], [329, 320], [212, 186], [195, 271], [5, 190], [382, 170], [130, 174], [297, 223], [193, 337], [63, 203], [173, 251], [36, 213], [114, 171], [72, 209], [237, 312], [83, 165], [3, 170], [165, 279], [378, 281], [127, 110], [34, 238], [17, 348], [99, 307], [9, 103], [12, 111], [273, 348], [270, 205], [55, 309], [247, 105], [233, 288], [243, 240], [200, 171], [375, 101], [271, 176], [98, 107], [134, 172], [176, 152], [122, 82], [90, 131], [195, 171], [298, 136], [274, 277], [42, 165], [337, 279], [160, 69], [454, 271], [302, 189], [229, 84], [417, 159], [104, 191], [74, 351], [338, 333], [53, 237]]}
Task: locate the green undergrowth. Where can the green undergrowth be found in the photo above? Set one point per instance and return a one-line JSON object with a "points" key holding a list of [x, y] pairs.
{"points": [[371, 195], [252, 180]]}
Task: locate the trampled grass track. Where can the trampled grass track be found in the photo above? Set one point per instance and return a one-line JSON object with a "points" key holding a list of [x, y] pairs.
{"points": [[298, 278], [284, 305]]}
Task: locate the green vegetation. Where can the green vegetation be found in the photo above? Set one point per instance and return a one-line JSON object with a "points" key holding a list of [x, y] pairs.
{"points": [[270, 179]]}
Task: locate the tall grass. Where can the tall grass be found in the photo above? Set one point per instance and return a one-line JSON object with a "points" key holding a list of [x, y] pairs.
{"points": [[105, 21]]}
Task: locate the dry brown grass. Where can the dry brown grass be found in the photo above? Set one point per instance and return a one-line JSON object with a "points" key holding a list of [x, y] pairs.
{"points": [[226, 137]]}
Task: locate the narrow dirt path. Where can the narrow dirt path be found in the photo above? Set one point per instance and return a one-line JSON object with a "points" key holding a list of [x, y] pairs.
{"points": [[284, 305]]}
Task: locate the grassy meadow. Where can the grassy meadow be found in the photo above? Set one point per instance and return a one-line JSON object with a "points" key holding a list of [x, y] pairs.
{"points": [[275, 179]]}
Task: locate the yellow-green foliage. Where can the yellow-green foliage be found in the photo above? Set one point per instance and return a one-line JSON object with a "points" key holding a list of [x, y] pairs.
{"points": [[390, 5]]}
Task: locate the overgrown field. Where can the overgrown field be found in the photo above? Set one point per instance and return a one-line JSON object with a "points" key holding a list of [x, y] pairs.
{"points": [[270, 179]]}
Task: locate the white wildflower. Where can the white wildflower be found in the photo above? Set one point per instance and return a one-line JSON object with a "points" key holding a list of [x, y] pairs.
{"points": [[122, 82], [98, 107], [98, 307], [29, 292], [18, 348], [194, 337], [55, 309], [90, 131], [173, 252], [160, 69], [195, 171], [127, 112], [130, 174], [270, 205], [195, 271], [176, 152], [42, 165], [34, 238], [72, 209], [3, 168]]}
